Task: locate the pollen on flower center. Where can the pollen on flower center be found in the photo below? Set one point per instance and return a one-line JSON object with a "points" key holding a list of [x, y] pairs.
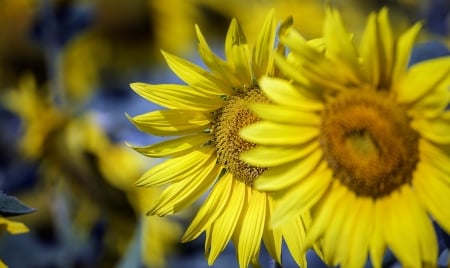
{"points": [[226, 125], [368, 143]]}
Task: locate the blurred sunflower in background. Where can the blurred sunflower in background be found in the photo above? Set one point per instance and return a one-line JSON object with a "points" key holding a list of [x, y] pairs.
{"points": [[205, 117], [79, 165], [368, 143]]}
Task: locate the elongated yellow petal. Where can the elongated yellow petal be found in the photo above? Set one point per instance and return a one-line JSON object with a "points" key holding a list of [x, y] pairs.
{"points": [[386, 48], [356, 234], [302, 196], [13, 227], [271, 156], [330, 242], [183, 193], [325, 213], [423, 226], [174, 96], [172, 122], [432, 104], [436, 156], [251, 231], [282, 92], [176, 169], [216, 64], [265, 132], [403, 50], [435, 130], [264, 46], [237, 52], [314, 70], [422, 78], [339, 44], [285, 114], [195, 76], [272, 237], [224, 226], [290, 65], [211, 208], [284, 176], [294, 235], [399, 230], [174, 147], [432, 189], [370, 53], [377, 241]]}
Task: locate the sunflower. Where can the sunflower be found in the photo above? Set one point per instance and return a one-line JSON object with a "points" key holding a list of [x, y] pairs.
{"points": [[205, 116], [360, 140]]}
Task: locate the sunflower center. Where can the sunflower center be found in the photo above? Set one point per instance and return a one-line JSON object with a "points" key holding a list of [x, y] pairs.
{"points": [[368, 143], [227, 123]]}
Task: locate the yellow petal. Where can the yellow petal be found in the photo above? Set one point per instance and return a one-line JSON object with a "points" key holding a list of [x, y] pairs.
{"points": [[377, 242], [282, 92], [423, 228], [175, 96], [386, 39], [272, 237], [294, 232], [271, 156], [422, 78], [211, 208], [325, 213], [330, 242], [285, 114], [264, 46], [339, 44], [433, 192], [432, 104], [436, 130], [265, 132], [237, 52], [302, 195], [195, 76], [172, 122], [370, 54], [356, 234], [13, 227], [176, 169], [174, 147], [403, 52], [224, 226], [183, 193], [439, 157], [289, 66], [217, 65], [400, 229], [253, 223], [284, 176], [309, 67]]}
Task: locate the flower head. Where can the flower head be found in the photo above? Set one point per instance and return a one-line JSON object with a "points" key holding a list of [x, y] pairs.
{"points": [[205, 116], [360, 140]]}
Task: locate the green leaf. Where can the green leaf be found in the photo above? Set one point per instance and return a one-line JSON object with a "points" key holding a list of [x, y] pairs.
{"points": [[11, 206]]}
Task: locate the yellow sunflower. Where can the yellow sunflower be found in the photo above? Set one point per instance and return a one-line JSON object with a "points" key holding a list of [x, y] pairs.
{"points": [[205, 116], [360, 140]]}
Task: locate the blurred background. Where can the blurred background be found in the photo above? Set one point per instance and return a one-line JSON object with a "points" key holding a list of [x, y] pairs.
{"points": [[65, 69]]}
